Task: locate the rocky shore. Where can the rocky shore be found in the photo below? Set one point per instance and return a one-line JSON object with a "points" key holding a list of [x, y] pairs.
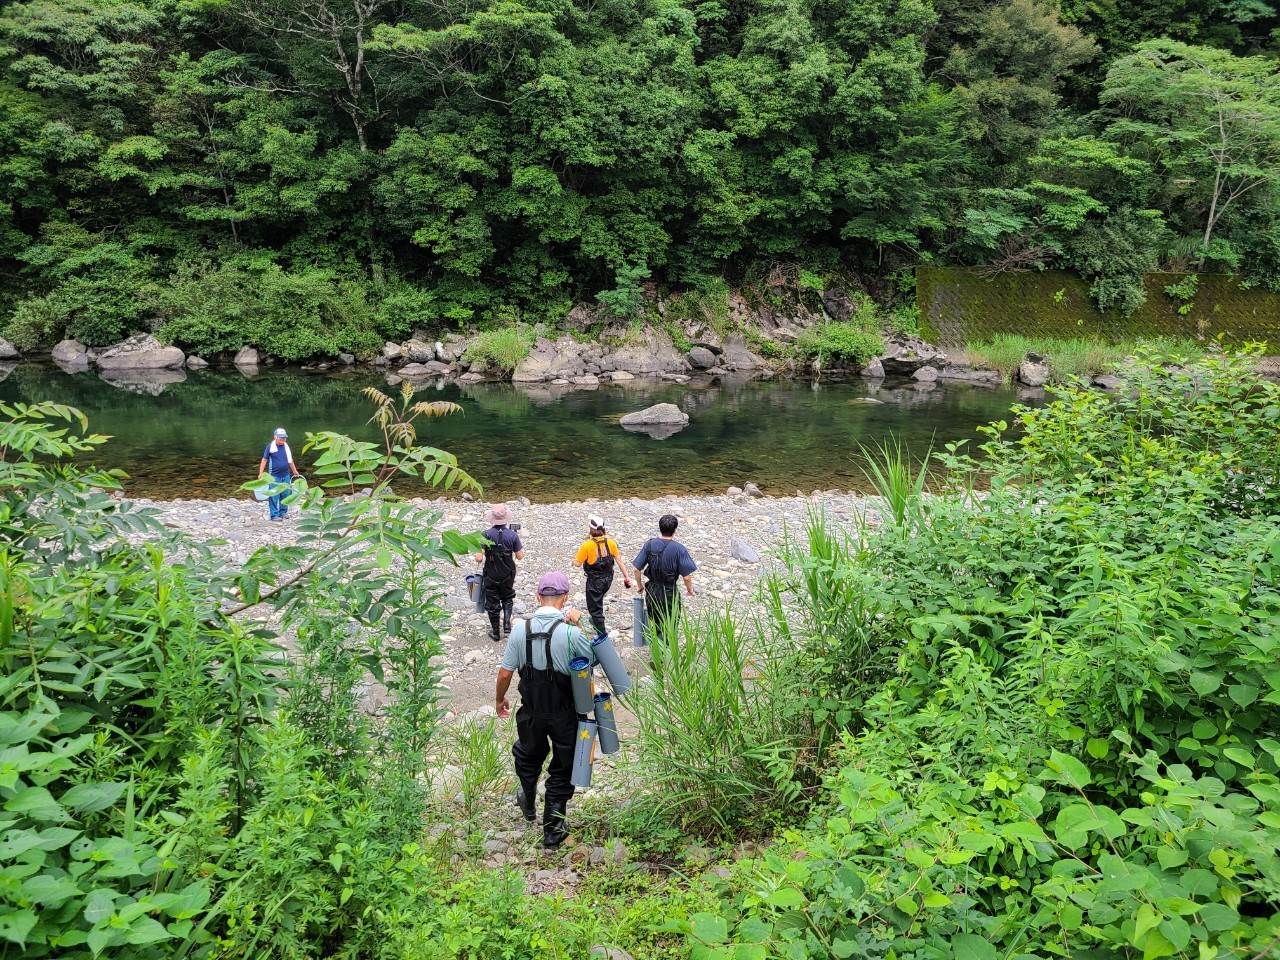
{"points": [[730, 537]]}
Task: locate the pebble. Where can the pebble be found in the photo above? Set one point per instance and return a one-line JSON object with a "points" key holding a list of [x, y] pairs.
{"points": [[728, 536]]}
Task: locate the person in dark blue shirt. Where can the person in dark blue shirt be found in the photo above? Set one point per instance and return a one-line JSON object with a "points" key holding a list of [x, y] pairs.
{"points": [[500, 555], [277, 459], [664, 562]]}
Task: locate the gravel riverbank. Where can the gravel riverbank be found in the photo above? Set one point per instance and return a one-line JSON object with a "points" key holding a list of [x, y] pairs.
{"points": [[719, 531]]}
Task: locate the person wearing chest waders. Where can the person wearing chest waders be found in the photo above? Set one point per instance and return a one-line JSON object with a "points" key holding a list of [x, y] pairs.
{"points": [[597, 557], [499, 556], [539, 649], [664, 561]]}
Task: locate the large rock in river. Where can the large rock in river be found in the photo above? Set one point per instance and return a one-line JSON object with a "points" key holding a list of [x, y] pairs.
{"points": [[247, 357], [8, 351], [659, 415], [141, 352]]}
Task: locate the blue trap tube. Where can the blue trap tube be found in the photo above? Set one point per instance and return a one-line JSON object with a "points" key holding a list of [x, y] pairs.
{"points": [[583, 754], [606, 724], [580, 680], [607, 656]]}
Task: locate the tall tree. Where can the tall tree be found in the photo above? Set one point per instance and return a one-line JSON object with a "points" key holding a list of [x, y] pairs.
{"points": [[1208, 120]]}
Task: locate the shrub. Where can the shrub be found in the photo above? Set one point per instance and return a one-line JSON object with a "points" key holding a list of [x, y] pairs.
{"points": [[853, 341], [503, 348], [289, 314], [158, 801], [1078, 752]]}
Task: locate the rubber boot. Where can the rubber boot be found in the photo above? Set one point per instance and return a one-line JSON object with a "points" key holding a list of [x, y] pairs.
{"points": [[493, 626], [506, 618], [527, 800], [555, 828]]}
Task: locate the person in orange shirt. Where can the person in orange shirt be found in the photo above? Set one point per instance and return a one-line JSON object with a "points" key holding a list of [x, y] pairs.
{"points": [[597, 555]]}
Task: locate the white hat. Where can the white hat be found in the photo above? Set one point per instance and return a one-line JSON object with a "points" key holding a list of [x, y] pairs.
{"points": [[596, 521], [280, 432]]}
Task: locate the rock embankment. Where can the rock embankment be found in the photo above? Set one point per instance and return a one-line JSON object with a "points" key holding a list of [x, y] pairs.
{"points": [[729, 536]]}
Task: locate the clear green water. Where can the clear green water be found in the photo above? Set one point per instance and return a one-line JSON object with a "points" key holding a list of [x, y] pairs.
{"points": [[202, 437]]}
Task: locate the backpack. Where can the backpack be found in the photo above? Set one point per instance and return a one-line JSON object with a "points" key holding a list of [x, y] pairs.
{"points": [[499, 560], [658, 575], [604, 559]]}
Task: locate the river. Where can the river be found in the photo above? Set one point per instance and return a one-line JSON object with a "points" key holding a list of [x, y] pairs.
{"points": [[202, 435]]}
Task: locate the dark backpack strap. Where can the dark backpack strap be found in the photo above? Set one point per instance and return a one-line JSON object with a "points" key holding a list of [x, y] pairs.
{"points": [[653, 562], [544, 635]]}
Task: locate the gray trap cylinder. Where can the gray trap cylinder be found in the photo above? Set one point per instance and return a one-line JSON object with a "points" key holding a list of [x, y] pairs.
{"points": [[607, 655], [638, 622], [606, 724], [476, 584], [583, 753], [580, 680]]}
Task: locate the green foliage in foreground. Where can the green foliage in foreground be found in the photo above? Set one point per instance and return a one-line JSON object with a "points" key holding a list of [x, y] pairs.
{"points": [[1077, 752]]}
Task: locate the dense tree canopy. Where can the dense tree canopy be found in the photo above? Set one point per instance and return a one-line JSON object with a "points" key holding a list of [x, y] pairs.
{"points": [[432, 162]]}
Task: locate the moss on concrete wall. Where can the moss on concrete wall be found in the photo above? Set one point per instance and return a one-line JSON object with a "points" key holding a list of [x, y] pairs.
{"points": [[961, 306]]}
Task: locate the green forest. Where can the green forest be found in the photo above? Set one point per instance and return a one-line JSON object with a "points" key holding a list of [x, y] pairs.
{"points": [[356, 169]]}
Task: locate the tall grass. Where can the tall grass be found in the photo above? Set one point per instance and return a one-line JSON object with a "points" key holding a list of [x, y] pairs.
{"points": [[1069, 358], [714, 736], [896, 480]]}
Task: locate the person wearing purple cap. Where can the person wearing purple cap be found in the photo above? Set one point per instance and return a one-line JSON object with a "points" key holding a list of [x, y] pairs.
{"points": [[500, 554], [539, 649]]}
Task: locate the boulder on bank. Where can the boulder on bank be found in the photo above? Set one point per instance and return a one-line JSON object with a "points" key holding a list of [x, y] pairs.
{"points": [[965, 374], [902, 358], [8, 351], [141, 352], [419, 351], [700, 358], [1033, 371], [874, 370], [247, 357], [71, 353], [196, 363]]}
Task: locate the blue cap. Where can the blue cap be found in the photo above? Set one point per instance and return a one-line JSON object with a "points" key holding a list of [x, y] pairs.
{"points": [[281, 433]]}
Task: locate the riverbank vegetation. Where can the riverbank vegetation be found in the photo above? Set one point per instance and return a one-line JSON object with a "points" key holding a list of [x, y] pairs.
{"points": [[1035, 721], [1068, 358], [314, 176]]}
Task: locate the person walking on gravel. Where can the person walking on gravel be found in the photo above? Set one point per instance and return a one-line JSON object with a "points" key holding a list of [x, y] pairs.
{"points": [[499, 557], [277, 459], [665, 562], [597, 556], [539, 649]]}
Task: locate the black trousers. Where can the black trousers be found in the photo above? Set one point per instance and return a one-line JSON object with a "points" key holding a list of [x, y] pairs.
{"points": [[597, 587], [499, 596], [661, 607], [536, 736]]}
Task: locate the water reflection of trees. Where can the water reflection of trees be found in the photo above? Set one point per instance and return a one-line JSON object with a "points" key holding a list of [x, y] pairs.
{"points": [[204, 433]]}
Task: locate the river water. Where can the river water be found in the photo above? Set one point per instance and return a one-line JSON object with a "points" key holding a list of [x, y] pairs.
{"points": [[203, 435]]}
